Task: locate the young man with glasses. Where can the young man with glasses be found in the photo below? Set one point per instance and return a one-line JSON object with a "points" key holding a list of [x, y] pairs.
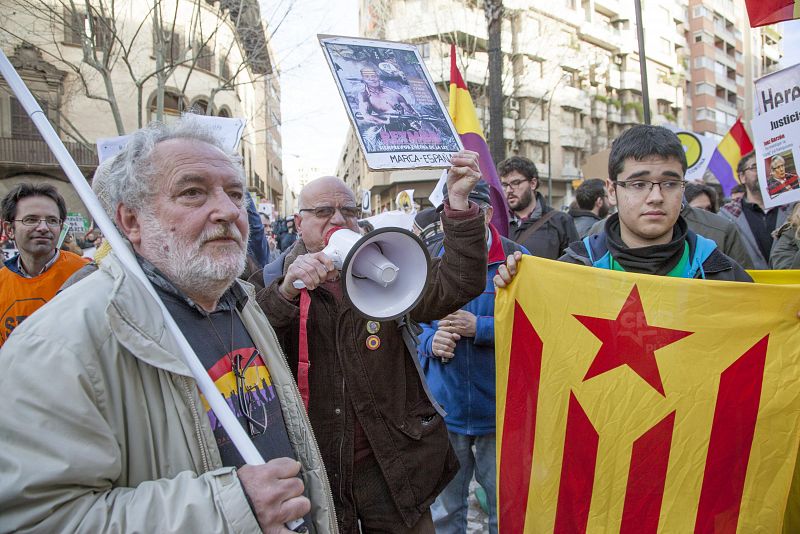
{"points": [[647, 235], [545, 232], [755, 223], [384, 443], [33, 215]]}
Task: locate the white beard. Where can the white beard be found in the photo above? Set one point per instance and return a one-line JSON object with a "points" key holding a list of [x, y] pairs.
{"points": [[192, 269]]}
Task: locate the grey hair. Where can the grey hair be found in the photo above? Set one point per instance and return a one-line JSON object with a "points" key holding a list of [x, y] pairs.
{"points": [[776, 159], [127, 178]]}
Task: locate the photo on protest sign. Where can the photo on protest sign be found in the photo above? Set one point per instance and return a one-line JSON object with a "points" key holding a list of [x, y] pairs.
{"points": [[782, 173], [776, 138], [392, 103]]}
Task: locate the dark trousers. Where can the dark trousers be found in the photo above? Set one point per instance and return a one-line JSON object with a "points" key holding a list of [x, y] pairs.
{"points": [[375, 509]]}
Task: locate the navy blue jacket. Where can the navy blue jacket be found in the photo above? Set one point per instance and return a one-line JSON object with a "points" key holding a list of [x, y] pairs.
{"points": [[465, 386]]}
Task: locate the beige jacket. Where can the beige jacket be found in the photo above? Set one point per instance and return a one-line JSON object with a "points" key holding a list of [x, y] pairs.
{"points": [[102, 427]]}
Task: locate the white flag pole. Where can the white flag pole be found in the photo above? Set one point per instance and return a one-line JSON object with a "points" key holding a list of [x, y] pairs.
{"points": [[214, 398]]}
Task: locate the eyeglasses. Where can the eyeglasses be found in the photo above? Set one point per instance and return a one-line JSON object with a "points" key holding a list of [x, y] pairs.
{"points": [[326, 212], [513, 184], [32, 220], [752, 167], [643, 187], [249, 403]]}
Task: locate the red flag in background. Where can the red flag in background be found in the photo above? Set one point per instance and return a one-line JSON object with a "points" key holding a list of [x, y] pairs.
{"points": [[465, 119], [763, 12]]}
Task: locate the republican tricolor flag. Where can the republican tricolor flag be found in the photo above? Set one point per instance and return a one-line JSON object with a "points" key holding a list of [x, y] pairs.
{"points": [[763, 12], [465, 119], [730, 150], [635, 403]]}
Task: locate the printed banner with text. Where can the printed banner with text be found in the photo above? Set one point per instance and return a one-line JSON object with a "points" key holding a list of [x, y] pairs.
{"points": [[776, 138], [638, 403]]}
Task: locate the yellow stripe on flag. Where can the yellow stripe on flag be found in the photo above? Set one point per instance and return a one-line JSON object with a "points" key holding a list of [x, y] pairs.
{"points": [[463, 112], [729, 150], [705, 338], [778, 276]]}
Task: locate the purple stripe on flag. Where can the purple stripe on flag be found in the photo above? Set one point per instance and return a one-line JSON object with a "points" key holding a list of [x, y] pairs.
{"points": [[720, 168], [476, 143]]}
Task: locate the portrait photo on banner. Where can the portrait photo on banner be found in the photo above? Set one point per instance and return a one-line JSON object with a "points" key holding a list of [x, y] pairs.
{"points": [[392, 103]]}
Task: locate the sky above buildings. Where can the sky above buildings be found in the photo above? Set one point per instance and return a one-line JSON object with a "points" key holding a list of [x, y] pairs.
{"points": [[314, 122]]}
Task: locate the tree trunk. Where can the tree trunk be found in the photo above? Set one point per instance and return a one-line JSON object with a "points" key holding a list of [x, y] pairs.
{"points": [[493, 10]]}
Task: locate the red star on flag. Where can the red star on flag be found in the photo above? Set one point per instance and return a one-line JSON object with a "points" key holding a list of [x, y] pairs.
{"points": [[629, 340]]}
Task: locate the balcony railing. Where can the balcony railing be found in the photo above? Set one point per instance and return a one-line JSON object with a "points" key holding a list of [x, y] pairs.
{"points": [[36, 152]]}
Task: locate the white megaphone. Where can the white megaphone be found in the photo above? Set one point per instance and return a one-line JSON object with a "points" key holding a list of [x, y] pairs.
{"points": [[384, 273]]}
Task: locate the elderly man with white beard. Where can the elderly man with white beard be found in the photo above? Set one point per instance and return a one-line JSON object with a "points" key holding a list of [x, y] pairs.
{"points": [[103, 426]]}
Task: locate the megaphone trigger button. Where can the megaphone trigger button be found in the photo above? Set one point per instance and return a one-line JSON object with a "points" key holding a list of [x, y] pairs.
{"points": [[373, 327], [373, 342]]}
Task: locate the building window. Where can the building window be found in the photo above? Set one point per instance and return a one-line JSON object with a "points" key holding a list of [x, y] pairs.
{"points": [[703, 88], [78, 26], [424, 50], [571, 158], [22, 126], [172, 47], [173, 106], [572, 78], [706, 114], [200, 107], [224, 70], [205, 59], [699, 12]]}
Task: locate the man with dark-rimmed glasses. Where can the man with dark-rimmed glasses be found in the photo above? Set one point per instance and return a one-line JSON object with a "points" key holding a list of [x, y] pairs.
{"points": [[545, 232], [646, 168], [33, 215]]}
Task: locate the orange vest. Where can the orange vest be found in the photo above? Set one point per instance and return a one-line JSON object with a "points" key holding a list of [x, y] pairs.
{"points": [[20, 296]]}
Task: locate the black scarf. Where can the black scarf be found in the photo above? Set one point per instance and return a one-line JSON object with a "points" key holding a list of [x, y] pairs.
{"points": [[655, 259]]}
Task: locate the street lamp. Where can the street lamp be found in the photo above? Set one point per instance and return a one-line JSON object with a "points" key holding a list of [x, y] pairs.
{"points": [[549, 158]]}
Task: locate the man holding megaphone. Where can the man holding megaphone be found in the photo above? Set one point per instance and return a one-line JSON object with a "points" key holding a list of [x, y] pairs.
{"points": [[382, 436]]}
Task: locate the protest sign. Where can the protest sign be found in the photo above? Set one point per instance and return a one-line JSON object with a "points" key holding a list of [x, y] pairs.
{"points": [[778, 89], [699, 150], [405, 201], [227, 130], [437, 195], [777, 140], [111, 146], [76, 223], [366, 201], [392, 102]]}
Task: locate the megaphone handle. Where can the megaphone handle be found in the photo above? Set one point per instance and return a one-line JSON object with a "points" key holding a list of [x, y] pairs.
{"points": [[298, 284]]}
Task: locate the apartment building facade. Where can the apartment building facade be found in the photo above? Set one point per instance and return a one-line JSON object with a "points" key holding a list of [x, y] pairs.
{"points": [[208, 57], [572, 77]]}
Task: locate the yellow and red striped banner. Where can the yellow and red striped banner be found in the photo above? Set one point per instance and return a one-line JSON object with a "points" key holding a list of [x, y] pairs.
{"points": [[636, 403]]}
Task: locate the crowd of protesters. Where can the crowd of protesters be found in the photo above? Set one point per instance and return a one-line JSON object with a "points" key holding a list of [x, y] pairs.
{"points": [[350, 421]]}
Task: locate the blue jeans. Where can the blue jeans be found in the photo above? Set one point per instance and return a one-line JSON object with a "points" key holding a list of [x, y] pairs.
{"points": [[450, 509]]}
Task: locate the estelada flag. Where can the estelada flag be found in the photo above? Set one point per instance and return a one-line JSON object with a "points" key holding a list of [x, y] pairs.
{"points": [[763, 12], [639, 403], [465, 119]]}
